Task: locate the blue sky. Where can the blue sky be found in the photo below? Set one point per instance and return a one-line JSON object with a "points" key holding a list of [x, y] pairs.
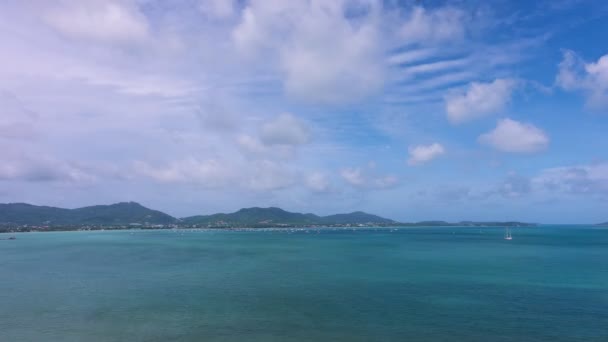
{"points": [[459, 110]]}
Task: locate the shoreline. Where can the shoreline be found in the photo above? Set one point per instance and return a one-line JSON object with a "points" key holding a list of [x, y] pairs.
{"points": [[267, 228]]}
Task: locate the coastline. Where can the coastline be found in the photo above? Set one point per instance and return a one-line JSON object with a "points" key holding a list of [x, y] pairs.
{"points": [[249, 227]]}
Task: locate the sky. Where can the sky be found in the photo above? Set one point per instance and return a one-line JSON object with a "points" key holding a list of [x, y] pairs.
{"points": [[413, 110]]}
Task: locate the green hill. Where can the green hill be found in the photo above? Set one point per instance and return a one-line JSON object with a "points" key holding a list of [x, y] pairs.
{"points": [[275, 217], [126, 213], [248, 216], [355, 217], [114, 214]]}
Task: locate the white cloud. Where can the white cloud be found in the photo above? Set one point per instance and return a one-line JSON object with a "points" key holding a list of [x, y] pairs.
{"points": [[344, 66], [367, 179], [259, 24], [101, 21], [437, 66], [579, 179], [424, 26], [237, 174], [216, 115], [318, 182], [286, 129], [424, 153], [22, 167], [515, 185], [569, 77], [590, 78], [209, 173], [218, 9], [411, 56], [266, 175], [253, 149], [353, 176], [251, 145], [278, 138], [516, 137], [479, 100]]}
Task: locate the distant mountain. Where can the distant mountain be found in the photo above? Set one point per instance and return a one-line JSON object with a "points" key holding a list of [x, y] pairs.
{"points": [[603, 224], [126, 213], [114, 214], [432, 223], [276, 217], [355, 217]]}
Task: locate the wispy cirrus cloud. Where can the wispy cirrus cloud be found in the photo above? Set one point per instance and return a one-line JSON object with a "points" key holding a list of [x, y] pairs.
{"points": [[444, 24]]}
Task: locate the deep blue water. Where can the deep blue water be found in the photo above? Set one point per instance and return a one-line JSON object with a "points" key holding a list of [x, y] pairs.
{"points": [[413, 284]]}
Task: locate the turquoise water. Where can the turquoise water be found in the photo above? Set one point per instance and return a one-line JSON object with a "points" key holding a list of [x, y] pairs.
{"points": [[422, 284]]}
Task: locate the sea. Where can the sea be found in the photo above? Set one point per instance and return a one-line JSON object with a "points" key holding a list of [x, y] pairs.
{"points": [[550, 283]]}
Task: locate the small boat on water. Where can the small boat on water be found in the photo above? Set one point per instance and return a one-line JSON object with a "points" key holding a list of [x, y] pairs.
{"points": [[508, 235], [9, 238]]}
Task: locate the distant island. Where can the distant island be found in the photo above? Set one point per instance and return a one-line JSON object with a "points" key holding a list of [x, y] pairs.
{"points": [[23, 217]]}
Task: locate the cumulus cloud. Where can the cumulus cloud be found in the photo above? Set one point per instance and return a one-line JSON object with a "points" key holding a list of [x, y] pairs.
{"points": [[286, 129], [277, 138], [574, 180], [365, 178], [578, 179], [424, 153], [424, 26], [516, 137], [354, 176], [480, 99], [21, 167], [318, 182], [585, 181], [589, 78], [210, 173], [217, 115], [259, 20], [101, 21], [253, 149], [266, 175], [256, 175], [515, 185], [250, 145], [344, 66]]}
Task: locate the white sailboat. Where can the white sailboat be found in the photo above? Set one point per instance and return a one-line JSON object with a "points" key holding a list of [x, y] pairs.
{"points": [[508, 235]]}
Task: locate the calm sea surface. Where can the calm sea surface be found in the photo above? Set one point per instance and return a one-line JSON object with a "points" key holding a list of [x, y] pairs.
{"points": [[413, 284]]}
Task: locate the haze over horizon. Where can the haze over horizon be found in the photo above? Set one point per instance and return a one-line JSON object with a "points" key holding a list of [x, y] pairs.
{"points": [[411, 110]]}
